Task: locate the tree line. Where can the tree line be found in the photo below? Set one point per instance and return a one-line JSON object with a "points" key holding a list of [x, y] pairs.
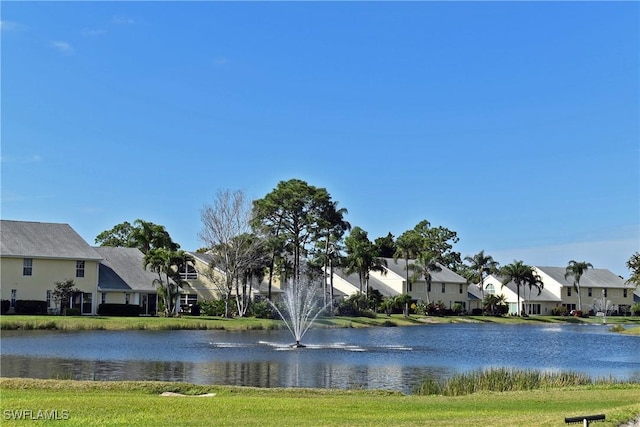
{"points": [[299, 225]]}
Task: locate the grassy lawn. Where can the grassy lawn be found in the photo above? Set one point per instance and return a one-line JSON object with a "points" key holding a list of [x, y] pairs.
{"points": [[139, 403], [25, 322]]}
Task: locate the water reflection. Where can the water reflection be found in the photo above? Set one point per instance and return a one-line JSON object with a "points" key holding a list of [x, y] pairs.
{"points": [[387, 358]]}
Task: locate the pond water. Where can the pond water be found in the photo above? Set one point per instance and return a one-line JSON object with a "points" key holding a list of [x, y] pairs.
{"points": [[378, 358]]}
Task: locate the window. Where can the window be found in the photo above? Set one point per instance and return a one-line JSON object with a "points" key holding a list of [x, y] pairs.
{"points": [[191, 273], [127, 298], [429, 287], [409, 286], [14, 295], [188, 299], [569, 291], [443, 288], [79, 268], [624, 293], [103, 298], [27, 267], [460, 287], [590, 292], [604, 293], [491, 290], [48, 299]]}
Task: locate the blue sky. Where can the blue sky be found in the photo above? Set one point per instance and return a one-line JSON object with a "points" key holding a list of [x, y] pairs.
{"points": [[515, 124]]}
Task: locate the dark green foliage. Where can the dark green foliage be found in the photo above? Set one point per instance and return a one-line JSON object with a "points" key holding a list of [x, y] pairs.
{"points": [[560, 311], [5, 305], [124, 310], [28, 306], [72, 312], [263, 310], [214, 307], [635, 309]]}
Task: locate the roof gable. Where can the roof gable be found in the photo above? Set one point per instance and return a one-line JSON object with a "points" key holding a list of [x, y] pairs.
{"points": [[123, 268], [43, 240]]}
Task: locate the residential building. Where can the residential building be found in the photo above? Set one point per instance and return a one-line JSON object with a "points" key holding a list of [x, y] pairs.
{"points": [[122, 279], [35, 255]]}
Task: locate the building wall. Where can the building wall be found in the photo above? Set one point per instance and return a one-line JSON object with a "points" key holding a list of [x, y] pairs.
{"points": [[45, 272]]}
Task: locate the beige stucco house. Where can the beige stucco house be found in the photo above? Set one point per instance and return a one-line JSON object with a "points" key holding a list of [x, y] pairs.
{"points": [[35, 255]]}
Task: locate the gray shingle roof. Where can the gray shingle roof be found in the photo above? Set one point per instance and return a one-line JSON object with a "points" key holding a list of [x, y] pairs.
{"points": [[592, 278], [122, 269], [43, 240], [445, 275]]}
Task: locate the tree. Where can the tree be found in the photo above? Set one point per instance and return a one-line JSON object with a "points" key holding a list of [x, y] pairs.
{"points": [[385, 247], [407, 246], [535, 281], [481, 265], [63, 294], [361, 257], [520, 274], [291, 217], [496, 305], [576, 269], [426, 263], [167, 265], [143, 235], [439, 242], [633, 264], [237, 253]]}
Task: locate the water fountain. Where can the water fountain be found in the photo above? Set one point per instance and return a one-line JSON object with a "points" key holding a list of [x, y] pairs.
{"points": [[603, 307], [302, 307]]}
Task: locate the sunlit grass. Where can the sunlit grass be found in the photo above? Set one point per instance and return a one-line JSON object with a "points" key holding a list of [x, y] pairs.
{"points": [[139, 403]]}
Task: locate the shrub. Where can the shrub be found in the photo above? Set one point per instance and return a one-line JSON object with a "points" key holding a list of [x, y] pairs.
{"points": [[458, 309], [28, 306], [72, 312], [124, 310], [262, 310], [214, 307], [5, 305], [477, 312], [635, 309], [195, 310], [559, 311]]}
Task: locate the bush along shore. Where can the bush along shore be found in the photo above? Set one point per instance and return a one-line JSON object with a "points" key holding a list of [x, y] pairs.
{"points": [[33, 322]]}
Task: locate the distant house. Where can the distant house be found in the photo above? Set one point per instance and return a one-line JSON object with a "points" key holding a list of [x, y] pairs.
{"points": [[35, 255], [122, 279], [446, 286], [595, 283]]}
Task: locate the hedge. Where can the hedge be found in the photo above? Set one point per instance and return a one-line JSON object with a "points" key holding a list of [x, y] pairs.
{"points": [[125, 310], [29, 306]]}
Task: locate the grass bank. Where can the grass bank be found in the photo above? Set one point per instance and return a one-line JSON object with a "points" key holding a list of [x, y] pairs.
{"points": [[23, 322], [139, 403]]}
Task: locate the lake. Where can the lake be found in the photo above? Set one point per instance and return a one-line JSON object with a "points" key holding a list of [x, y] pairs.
{"points": [[395, 358]]}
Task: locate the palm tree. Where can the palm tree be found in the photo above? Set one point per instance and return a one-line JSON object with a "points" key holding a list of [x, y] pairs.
{"points": [[576, 270], [168, 264], [518, 273], [426, 262], [361, 257], [535, 281], [481, 264], [407, 247]]}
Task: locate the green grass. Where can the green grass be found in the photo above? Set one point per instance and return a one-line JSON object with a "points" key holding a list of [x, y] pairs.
{"points": [[24, 322], [139, 403]]}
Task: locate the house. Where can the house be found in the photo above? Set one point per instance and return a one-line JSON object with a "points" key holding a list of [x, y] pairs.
{"points": [[35, 255], [531, 302], [122, 279], [446, 286], [200, 282], [595, 284]]}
